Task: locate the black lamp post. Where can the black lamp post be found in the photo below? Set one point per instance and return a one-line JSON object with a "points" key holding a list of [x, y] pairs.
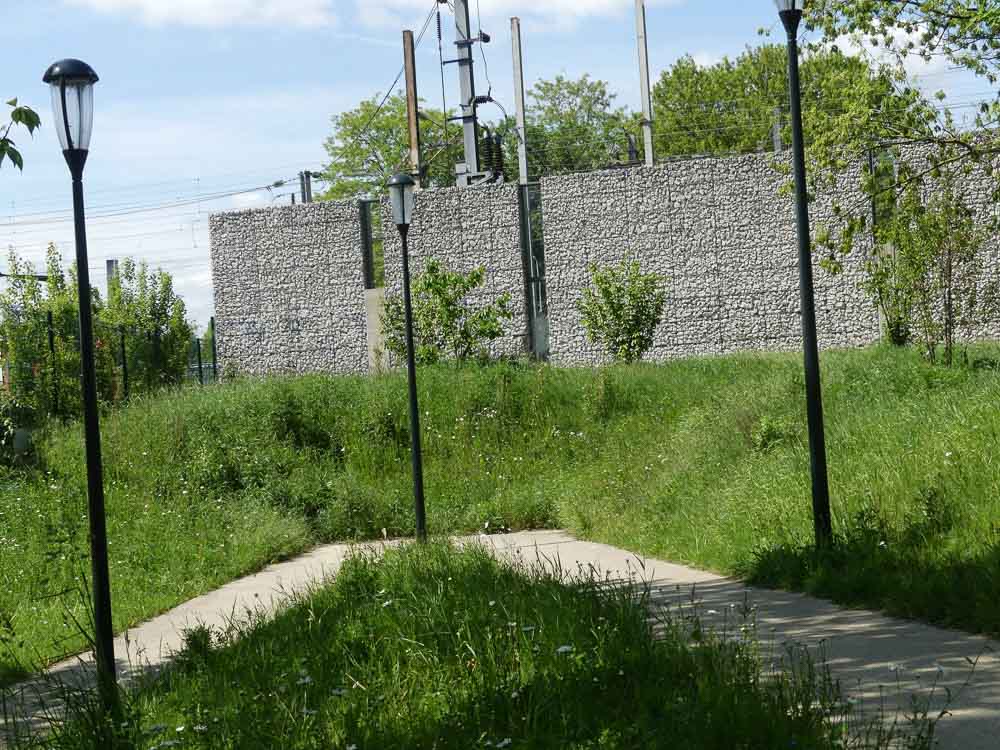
{"points": [[791, 15], [72, 85], [401, 188]]}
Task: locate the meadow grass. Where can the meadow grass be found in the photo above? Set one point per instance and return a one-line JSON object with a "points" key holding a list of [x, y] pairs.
{"points": [[702, 461], [430, 647]]}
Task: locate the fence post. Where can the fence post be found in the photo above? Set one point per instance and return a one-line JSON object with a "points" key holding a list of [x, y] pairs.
{"points": [[121, 333], [53, 365], [215, 353], [201, 372]]}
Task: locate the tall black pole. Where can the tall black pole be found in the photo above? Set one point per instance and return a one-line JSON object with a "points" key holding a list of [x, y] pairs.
{"points": [[215, 353], [411, 371], [104, 645], [201, 371], [814, 399], [53, 365], [121, 334]]}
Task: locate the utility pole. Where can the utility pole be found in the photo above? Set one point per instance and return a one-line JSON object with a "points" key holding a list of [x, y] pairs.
{"points": [[647, 104], [776, 131], [412, 107], [522, 131], [467, 173], [111, 266]]}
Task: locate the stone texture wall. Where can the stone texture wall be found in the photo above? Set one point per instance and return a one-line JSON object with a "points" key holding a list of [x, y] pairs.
{"points": [[724, 237], [464, 229], [289, 289]]}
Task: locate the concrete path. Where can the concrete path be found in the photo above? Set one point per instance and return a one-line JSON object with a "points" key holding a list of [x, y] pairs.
{"points": [[872, 655]]}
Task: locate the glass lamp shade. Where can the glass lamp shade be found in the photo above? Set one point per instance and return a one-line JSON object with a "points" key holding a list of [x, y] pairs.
{"points": [[784, 5], [72, 86], [401, 194]]}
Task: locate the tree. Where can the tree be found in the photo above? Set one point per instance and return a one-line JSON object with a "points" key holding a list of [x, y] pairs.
{"points": [[144, 304], [573, 125], [20, 116], [621, 309], [928, 277], [371, 142], [732, 106], [446, 323], [46, 380], [962, 32], [45, 372]]}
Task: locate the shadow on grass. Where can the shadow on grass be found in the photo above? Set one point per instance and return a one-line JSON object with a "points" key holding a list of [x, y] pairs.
{"points": [[909, 574]]}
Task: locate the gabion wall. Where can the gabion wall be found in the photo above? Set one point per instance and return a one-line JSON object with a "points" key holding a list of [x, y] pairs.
{"points": [[464, 229], [289, 289], [722, 234]]}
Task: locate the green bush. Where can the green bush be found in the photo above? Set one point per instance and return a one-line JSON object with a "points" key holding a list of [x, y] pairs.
{"points": [[621, 309], [446, 323]]}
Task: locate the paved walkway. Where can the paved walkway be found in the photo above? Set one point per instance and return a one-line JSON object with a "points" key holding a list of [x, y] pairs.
{"points": [[871, 654]]}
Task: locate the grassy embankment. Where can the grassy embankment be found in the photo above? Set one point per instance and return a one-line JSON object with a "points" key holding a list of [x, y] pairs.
{"points": [[700, 461], [430, 648]]}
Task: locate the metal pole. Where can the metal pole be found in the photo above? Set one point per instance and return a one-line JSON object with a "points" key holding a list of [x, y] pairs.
{"points": [[121, 332], [647, 102], [53, 364], [302, 186], [814, 399], [412, 103], [411, 371], [201, 371], [522, 131], [309, 186], [104, 645], [467, 87], [215, 352]]}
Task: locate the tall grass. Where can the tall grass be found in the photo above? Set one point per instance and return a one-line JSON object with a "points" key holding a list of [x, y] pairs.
{"points": [[701, 461], [432, 648]]}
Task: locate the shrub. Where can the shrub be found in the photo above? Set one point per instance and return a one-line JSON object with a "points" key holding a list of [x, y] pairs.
{"points": [[446, 324], [622, 308], [14, 415]]}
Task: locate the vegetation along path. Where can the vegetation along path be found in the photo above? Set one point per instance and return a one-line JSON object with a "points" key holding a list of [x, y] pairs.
{"points": [[876, 658]]}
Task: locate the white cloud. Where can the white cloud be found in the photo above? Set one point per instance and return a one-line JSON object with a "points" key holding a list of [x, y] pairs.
{"points": [[216, 13]]}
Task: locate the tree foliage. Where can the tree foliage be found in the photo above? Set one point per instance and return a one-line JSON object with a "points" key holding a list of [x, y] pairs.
{"points": [[18, 116], [574, 125], [732, 106], [44, 372], [621, 309], [447, 322], [370, 143], [928, 276]]}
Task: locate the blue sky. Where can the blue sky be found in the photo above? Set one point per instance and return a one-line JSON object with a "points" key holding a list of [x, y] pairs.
{"points": [[212, 96]]}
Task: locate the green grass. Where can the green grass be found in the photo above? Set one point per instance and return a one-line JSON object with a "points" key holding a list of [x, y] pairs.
{"points": [[432, 648], [700, 461]]}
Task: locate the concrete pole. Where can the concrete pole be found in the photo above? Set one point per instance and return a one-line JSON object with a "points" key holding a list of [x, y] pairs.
{"points": [[522, 132], [647, 102], [412, 106], [467, 87]]}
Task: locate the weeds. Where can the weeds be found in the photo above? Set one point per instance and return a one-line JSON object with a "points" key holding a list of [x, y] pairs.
{"points": [[701, 461]]}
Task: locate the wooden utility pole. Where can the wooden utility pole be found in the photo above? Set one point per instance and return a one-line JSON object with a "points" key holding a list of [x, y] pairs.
{"points": [[412, 107], [647, 104], [522, 132]]}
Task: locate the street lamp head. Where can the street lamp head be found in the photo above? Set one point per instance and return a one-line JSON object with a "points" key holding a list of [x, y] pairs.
{"points": [[72, 86], [791, 14], [401, 188]]}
